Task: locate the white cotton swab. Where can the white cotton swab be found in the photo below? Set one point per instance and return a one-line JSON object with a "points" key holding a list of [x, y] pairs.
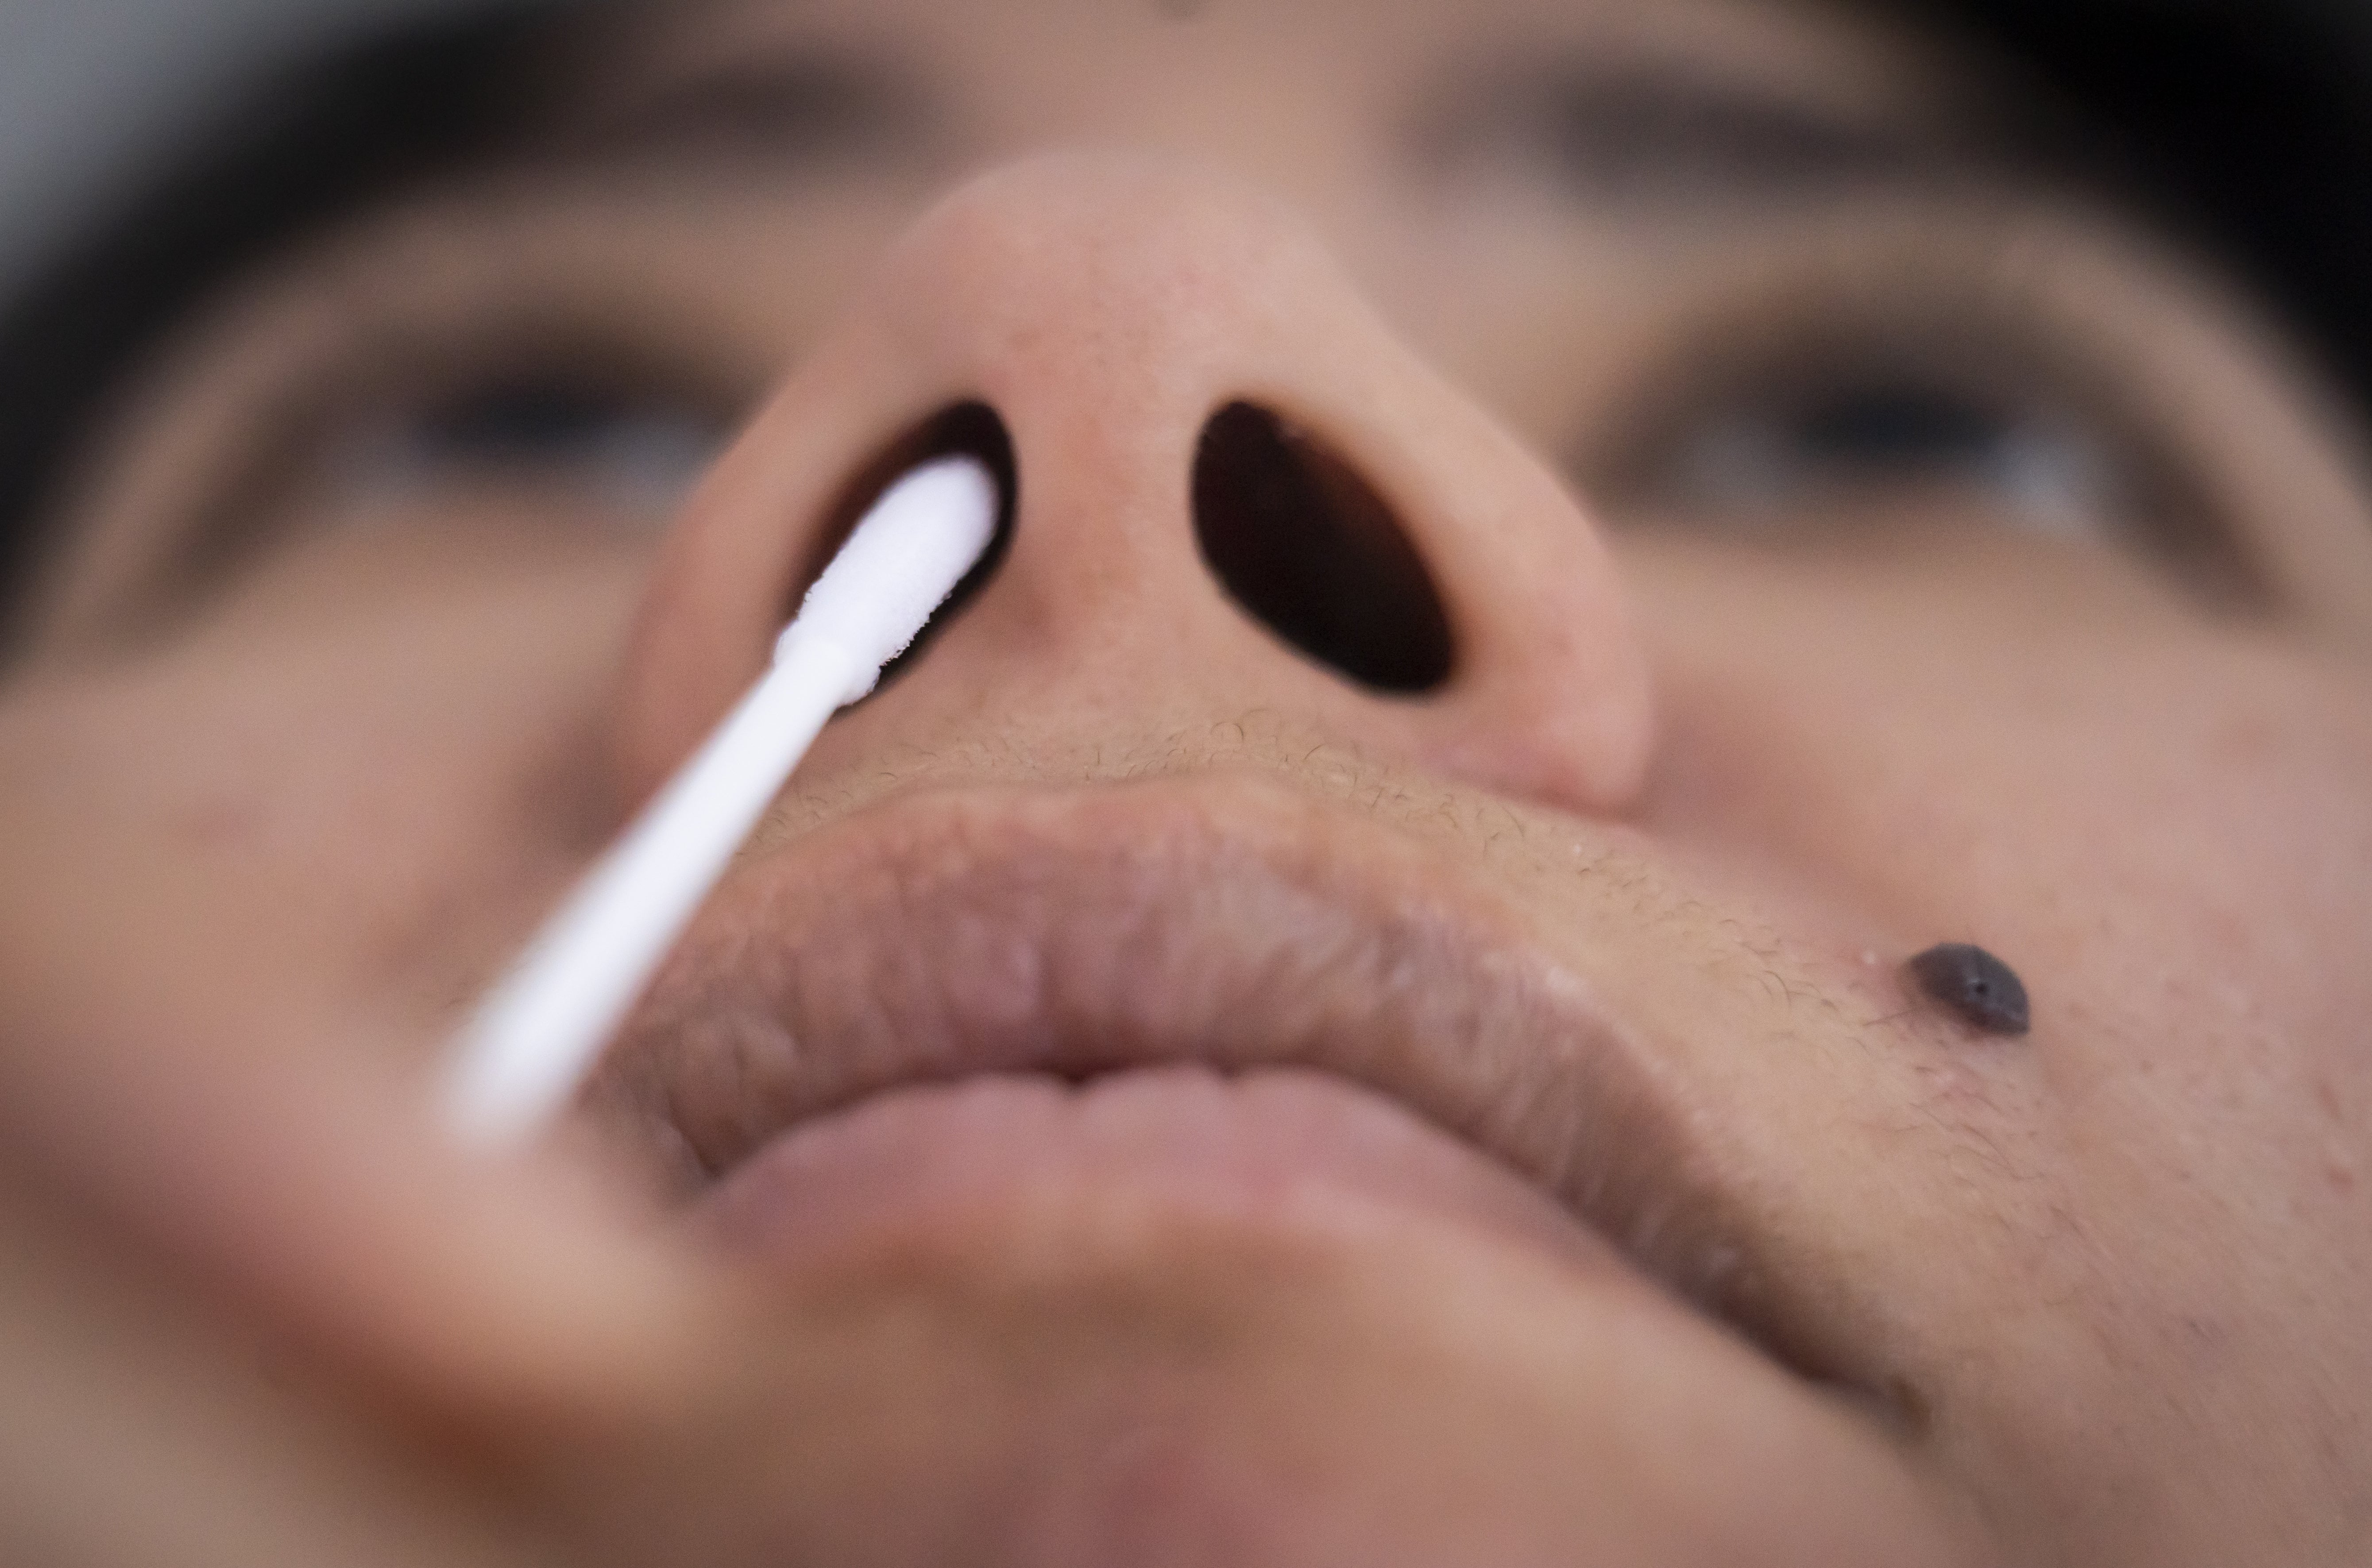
{"points": [[539, 1032]]}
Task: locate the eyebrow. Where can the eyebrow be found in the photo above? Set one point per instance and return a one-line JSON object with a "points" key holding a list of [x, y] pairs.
{"points": [[1622, 130], [802, 107], [1643, 130]]}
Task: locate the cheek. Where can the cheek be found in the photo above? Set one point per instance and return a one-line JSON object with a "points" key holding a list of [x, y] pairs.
{"points": [[2155, 820], [2164, 826], [387, 760], [2211, 1090], [2164, 845], [2163, 832]]}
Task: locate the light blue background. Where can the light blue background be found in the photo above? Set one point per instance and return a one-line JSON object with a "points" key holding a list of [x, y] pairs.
{"points": [[89, 90]]}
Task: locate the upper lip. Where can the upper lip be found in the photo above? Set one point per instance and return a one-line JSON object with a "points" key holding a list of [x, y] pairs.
{"points": [[1232, 923]]}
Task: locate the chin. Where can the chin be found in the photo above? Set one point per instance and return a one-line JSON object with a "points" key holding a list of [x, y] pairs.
{"points": [[1272, 1354]]}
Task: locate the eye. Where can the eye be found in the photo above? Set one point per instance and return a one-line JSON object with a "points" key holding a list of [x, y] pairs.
{"points": [[628, 454], [1808, 440], [1907, 427], [1844, 444]]}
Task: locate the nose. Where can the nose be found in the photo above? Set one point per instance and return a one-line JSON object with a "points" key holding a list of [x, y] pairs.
{"points": [[1235, 493]]}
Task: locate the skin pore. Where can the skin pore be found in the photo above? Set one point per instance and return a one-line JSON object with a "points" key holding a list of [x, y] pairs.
{"points": [[1853, 532]]}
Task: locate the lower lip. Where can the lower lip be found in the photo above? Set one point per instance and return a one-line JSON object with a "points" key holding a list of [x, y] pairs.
{"points": [[1280, 1152]]}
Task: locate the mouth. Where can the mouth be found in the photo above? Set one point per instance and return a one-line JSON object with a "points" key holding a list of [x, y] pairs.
{"points": [[1076, 968]]}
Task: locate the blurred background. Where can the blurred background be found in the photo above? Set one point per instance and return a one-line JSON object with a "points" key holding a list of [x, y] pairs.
{"points": [[89, 87], [2254, 112]]}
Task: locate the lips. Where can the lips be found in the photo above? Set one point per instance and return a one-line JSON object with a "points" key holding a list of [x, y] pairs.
{"points": [[975, 1070], [1270, 1151], [1230, 925]]}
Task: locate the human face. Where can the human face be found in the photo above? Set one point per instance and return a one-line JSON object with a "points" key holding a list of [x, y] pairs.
{"points": [[1377, 1117]]}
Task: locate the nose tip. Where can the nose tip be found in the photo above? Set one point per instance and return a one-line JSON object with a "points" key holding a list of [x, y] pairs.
{"points": [[1235, 491]]}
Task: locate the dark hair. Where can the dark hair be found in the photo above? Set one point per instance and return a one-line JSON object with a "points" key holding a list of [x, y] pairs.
{"points": [[2252, 118], [318, 138], [2248, 122]]}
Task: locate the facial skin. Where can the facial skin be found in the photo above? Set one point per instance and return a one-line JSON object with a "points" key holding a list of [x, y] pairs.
{"points": [[1504, 1132]]}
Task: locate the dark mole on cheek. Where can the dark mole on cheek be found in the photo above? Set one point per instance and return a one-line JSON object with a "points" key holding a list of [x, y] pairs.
{"points": [[1984, 991]]}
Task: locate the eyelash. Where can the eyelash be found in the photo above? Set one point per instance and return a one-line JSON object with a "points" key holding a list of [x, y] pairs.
{"points": [[1809, 440], [1825, 438], [1737, 463], [633, 451], [1836, 406]]}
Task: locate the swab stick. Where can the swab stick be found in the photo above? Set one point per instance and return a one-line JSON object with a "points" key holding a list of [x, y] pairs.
{"points": [[538, 1034]]}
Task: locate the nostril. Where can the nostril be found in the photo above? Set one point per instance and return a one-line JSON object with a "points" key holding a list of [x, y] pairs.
{"points": [[970, 429], [1304, 544]]}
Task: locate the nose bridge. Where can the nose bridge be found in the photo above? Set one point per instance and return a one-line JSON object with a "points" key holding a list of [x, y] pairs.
{"points": [[1095, 302], [1107, 308], [1104, 307]]}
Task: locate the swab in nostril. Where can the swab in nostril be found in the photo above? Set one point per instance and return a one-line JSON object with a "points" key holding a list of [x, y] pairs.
{"points": [[541, 1029]]}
